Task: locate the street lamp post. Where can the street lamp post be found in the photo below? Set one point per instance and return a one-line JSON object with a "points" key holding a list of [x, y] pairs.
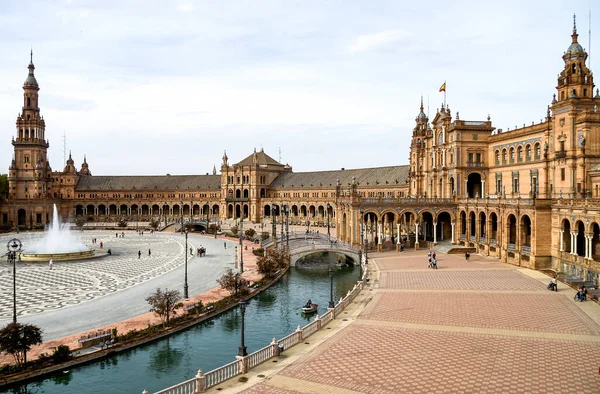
{"points": [[328, 232], [181, 212], [241, 243], [331, 304], [185, 283], [287, 227], [14, 246], [274, 225], [242, 349], [282, 224]]}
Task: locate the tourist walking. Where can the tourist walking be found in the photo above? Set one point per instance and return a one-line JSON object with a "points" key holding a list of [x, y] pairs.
{"points": [[225, 245], [50, 263], [149, 253], [467, 256], [139, 254], [101, 244]]}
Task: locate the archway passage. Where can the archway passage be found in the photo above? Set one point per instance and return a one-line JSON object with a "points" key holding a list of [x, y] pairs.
{"points": [[463, 224], [444, 227], [566, 232], [427, 226], [472, 224], [580, 240], [526, 231], [595, 242], [79, 210], [267, 210], [474, 185], [21, 217], [512, 231], [494, 226]]}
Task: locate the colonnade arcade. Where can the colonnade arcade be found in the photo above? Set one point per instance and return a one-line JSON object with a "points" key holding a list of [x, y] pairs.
{"points": [[580, 239], [302, 214], [147, 211], [390, 226]]}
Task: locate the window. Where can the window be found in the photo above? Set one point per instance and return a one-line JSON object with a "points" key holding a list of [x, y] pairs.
{"points": [[504, 156], [538, 153], [528, 153], [497, 157], [26, 159], [512, 155], [520, 154], [562, 174]]}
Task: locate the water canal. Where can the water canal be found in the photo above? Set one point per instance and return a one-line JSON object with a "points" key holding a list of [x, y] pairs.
{"points": [[155, 366]]}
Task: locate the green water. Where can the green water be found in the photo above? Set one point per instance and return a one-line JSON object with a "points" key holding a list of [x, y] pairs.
{"points": [[273, 313]]}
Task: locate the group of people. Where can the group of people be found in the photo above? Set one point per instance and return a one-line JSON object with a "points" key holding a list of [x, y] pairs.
{"points": [[122, 235], [95, 240], [581, 294], [432, 260]]}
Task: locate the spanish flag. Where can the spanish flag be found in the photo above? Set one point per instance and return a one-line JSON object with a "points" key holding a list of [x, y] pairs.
{"points": [[443, 87]]}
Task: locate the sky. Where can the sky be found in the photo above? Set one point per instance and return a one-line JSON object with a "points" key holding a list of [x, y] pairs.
{"points": [[166, 86]]}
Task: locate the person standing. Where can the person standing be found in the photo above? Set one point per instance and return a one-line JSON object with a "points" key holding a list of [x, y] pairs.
{"points": [[50, 263], [139, 254], [225, 245], [149, 253]]}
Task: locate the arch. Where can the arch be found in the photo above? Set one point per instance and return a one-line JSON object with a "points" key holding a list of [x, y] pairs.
{"points": [[595, 230], [504, 156], [463, 224], [311, 211], [482, 226], [123, 209], [263, 192], [155, 210], [246, 211], [474, 185], [238, 193], [195, 210], [472, 224], [90, 209], [112, 209], [275, 210], [388, 220], [267, 210], [134, 209], [238, 211], [426, 226], [78, 210], [452, 186], [497, 156], [215, 209], [185, 210], [145, 209], [102, 209], [21, 217], [165, 210], [230, 211], [321, 211], [566, 232], [537, 151], [511, 155], [528, 152], [294, 210], [444, 226], [526, 231], [205, 210], [493, 226], [512, 230], [176, 210], [303, 211], [580, 238]]}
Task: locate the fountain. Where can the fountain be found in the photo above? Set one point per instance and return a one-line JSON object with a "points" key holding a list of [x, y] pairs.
{"points": [[58, 244]]}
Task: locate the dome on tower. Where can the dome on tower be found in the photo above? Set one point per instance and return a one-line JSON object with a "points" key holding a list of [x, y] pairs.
{"points": [[30, 81], [574, 48], [421, 117]]}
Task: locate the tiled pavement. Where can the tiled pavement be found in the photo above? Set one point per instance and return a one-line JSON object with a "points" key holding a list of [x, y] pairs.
{"points": [[454, 330]]}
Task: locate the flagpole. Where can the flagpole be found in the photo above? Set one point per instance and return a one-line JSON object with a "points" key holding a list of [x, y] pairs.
{"points": [[445, 88]]}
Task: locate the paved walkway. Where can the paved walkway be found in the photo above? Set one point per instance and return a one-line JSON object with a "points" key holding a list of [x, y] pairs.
{"points": [[468, 327], [75, 298]]}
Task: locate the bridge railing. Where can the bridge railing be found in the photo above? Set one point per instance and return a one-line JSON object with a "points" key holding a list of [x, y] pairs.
{"points": [[202, 382]]}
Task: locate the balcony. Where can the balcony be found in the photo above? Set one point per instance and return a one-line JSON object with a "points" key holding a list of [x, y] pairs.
{"points": [[233, 199], [561, 154]]}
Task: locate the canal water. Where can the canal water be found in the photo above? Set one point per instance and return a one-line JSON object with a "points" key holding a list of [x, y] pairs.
{"points": [[274, 313]]}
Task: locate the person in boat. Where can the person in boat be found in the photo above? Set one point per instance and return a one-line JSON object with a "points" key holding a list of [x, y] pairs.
{"points": [[308, 304]]}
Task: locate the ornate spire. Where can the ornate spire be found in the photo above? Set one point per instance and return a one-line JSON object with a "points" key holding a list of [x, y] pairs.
{"points": [[214, 170], [574, 25], [31, 82]]}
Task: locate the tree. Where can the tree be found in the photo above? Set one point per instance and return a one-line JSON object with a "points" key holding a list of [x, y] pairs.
{"points": [[213, 228], [232, 282], [154, 223], [80, 221], [165, 303], [234, 230], [16, 339], [273, 261], [264, 235], [3, 185], [122, 222], [250, 233]]}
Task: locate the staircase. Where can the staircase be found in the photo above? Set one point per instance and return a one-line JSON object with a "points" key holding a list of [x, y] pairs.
{"points": [[449, 248]]}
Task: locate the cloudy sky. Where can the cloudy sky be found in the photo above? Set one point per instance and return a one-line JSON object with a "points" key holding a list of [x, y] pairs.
{"points": [[161, 86]]}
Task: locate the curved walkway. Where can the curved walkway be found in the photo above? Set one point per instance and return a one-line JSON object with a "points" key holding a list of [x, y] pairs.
{"points": [[477, 326]]}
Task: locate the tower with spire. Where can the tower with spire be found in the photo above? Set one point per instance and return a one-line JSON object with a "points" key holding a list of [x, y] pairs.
{"points": [[30, 173]]}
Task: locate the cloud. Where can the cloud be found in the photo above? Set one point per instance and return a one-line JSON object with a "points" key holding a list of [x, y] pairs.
{"points": [[186, 6], [374, 41]]}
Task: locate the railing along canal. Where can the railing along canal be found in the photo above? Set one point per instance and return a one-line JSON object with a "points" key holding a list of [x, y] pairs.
{"points": [[204, 381]]}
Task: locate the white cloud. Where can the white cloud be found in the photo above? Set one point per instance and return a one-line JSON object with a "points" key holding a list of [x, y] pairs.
{"points": [[374, 41], [186, 6]]}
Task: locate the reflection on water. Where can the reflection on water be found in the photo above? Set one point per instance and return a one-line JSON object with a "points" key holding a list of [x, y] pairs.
{"points": [[274, 313]]}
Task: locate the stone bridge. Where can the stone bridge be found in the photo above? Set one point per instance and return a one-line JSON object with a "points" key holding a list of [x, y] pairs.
{"points": [[302, 245]]}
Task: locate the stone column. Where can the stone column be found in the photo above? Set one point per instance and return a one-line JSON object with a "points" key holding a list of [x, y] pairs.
{"points": [[416, 236], [452, 224], [573, 246], [398, 237], [483, 188], [561, 243], [466, 188], [588, 247], [434, 233]]}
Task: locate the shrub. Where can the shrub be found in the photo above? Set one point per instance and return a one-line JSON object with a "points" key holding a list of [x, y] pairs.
{"points": [[61, 354], [259, 252]]}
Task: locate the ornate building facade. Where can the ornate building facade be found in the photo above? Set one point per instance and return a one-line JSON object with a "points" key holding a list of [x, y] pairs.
{"points": [[529, 196]]}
